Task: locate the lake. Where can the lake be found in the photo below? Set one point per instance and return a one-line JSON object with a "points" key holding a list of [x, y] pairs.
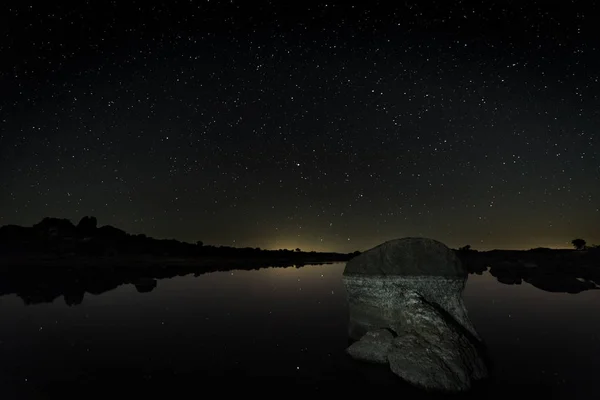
{"points": [[276, 331]]}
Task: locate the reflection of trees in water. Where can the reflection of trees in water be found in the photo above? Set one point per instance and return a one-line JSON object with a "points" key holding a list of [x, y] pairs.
{"points": [[46, 284], [564, 271], [567, 271], [145, 285]]}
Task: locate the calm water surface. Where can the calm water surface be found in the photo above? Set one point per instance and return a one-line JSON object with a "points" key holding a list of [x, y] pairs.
{"points": [[276, 329]]}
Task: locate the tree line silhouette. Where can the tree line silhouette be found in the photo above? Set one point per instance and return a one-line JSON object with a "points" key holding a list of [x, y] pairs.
{"points": [[60, 237], [579, 244]]}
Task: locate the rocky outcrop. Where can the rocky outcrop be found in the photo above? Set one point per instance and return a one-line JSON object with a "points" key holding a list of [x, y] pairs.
{"points": [[406, 310]]}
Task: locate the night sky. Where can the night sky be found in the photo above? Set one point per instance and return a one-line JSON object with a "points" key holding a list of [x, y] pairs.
{"points": [[326, 127]]}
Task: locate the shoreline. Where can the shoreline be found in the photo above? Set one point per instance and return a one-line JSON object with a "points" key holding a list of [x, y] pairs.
{"points": [[127, 261], [38, 278]]}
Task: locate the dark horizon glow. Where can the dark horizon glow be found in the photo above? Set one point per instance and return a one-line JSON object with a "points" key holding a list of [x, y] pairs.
{"points": [[331, 127]]}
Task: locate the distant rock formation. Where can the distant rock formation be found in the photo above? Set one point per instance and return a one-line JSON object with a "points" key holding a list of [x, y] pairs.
{"points": [[406, 310]]}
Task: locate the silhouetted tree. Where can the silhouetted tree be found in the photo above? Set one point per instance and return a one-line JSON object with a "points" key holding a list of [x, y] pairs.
{"points": [[87, 225], [199, 243], [298, 250], [55, 227], [465, 248], [110, 232], [579, 244]]}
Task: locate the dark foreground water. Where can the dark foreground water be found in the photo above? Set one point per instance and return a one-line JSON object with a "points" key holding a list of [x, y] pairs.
{"points": [[277, 332]]}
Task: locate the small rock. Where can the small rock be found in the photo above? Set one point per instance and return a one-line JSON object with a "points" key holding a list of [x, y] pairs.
{"points": [[372, 347]]}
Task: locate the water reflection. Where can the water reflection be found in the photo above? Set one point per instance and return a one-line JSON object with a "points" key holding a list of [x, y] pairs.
{"points": [[266, 327], [45, 285], [36, 285], [551, 271]]}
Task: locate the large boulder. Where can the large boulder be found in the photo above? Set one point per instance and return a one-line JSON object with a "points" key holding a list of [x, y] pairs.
{"points": [[409, 256], [406, 309]]}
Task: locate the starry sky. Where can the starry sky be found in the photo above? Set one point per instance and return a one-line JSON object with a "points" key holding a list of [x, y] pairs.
{"points": [[329, 126]]}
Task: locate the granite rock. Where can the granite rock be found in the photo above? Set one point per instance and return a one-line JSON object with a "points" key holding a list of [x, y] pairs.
{"points": [[411, 256], [406, 309]]}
